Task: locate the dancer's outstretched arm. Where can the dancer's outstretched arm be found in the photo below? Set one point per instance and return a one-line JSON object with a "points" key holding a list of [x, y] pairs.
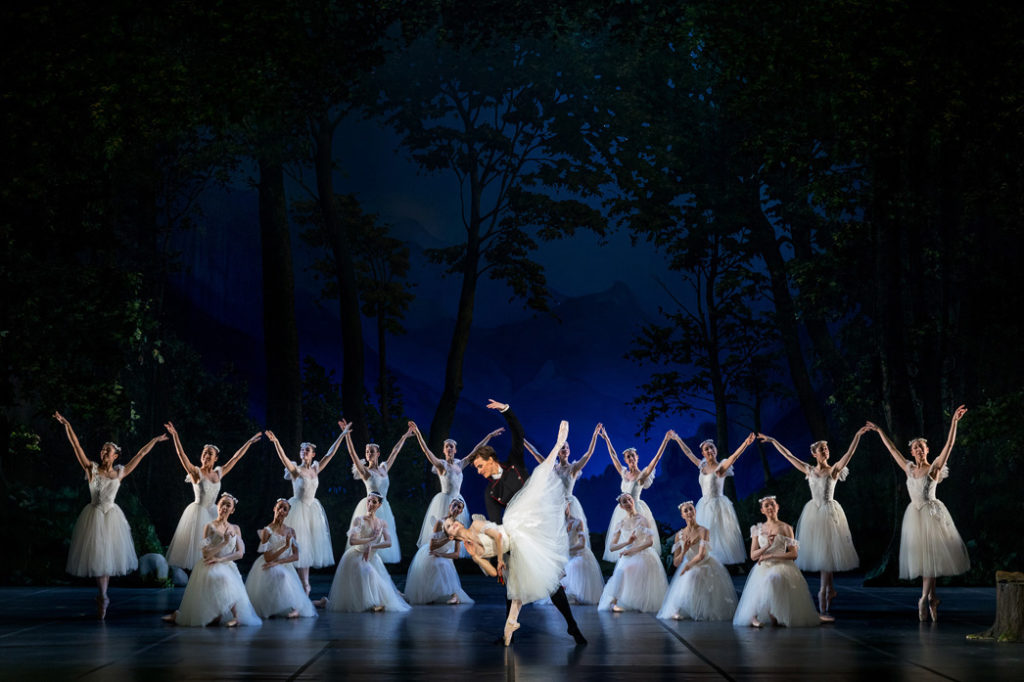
{"points": [[134, 461], [431, 457], [901, 461], [943, 457], [533, 451], [83, 461], [611, 451], [649, 469], [798, 464], [486, 439], [398, 447], [723, 468], [687, 451], [845, 459], [237, 457], [288, 464], [356, 462], [333, 450], [578, 465], [190, 469]]}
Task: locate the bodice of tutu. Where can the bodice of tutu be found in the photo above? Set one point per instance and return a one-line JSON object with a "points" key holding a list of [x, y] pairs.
{"points": [[633, 525], [487, 542], [274, 543], [205, 490], [568, 478], [304, 487], [103, 489], [377, 482], [780, 543], [362, 529], [215, 538], [635, 487], [451, 481], [823, 487], [922, 488], [711, 484]]}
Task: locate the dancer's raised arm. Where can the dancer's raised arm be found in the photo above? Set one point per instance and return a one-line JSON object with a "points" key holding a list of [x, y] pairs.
{"points": [[686, 450], [333, 450], [533, 451], [83, 461], [723, 468], [288, 464], [901, 461], [134, 461], [845, 459], [611, 451], [237, 457], [649, 469], [516, 453], [191, 469], [578, 465], [395, 450], [943, 457], [496, 432], [431, 457], [361, 469], [798, 464]]}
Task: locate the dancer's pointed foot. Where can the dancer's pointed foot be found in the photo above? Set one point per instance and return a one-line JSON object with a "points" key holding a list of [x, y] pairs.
{"points": [[454, 600], [826, 618], [577, 635], [378, 608], [321, 603], [102, 602], [293, 614], [233, 623], [754, 622], [616, 608], [170, 618], [933, 608], [510, 628], [306, 587], [922, 609]]}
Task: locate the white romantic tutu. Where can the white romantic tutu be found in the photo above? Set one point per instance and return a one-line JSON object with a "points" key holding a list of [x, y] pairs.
{"points": [[361, 585], [618, 516], [312, 534], [719, 516], [187, 541], [433, 579], [437, 510], [101, 543], [930, 544], [392, 554], [277, 590], [705, 592], [583, 581], [776, 588], [825, 541], [210, 593], [638, 584]]}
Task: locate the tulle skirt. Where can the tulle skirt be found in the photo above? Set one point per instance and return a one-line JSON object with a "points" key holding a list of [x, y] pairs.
{"points": [[534, 522], [437, 510], [638, 584], [583, 581], [618, 515], [719, 517], [101, 544], [210, 593], [776, 588], [277, 590], [362, 585], [312, 534], [186, 545], [825, 540], [433, 579], [705, 592], [930, 545], [391, 555]]}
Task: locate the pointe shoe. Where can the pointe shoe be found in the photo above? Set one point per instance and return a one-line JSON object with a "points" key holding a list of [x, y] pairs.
{"points": [[510, 629], [933, 608], [617, 609], [171, 618], [755, 623], [101, 607], [378, 608], [292, 614], [454, 601], [321, 603], [922, 609], [578, 636], [233, 623], [826, 618]]}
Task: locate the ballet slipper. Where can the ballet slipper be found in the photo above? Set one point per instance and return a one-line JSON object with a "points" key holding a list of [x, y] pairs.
{"points": [[321, 603], [933, 608], [233, 623], [292, 614], [454, 600], [510, 628], [676, 616], [378, 608], [826, 618], [922, 609], [755, 623], [171, 618], [102, 602]]}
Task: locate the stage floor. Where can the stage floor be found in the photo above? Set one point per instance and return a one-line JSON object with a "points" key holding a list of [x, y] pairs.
{"points": [[52, 633]]}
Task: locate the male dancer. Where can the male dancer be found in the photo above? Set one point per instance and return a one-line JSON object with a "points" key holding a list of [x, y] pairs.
{"points": [[504, 482]]}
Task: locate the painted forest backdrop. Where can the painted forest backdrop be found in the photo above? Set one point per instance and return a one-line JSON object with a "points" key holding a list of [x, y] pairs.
{"points": [[826, 199]]}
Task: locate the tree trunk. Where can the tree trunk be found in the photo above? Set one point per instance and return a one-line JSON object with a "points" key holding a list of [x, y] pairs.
{"points": [[353, 387], [1009, 625], [280, 336]]}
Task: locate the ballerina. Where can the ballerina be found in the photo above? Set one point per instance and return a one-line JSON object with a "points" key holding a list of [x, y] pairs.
{"points": [[307, 515], [215, 592], [273, 585], [361, 583], [532, 532], [638, 582], [101, 543], [583, 581], [701, 588], [930, 545], [432, 578], [634, 482], [714, 510], [822, 529], [449, 473], [775, 589], [186, 543], [375, 477], [569, 473]]}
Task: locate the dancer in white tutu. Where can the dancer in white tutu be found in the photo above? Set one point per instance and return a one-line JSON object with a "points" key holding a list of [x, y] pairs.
{"points": [[583, 581], [701, 588], [775, 590], [569, 473], [532, 533], [634, 482], [374, 476], [184, 550], [449, 473], [307, 515], [215, 593], [638, 582], [101, 543], [714, 510], [432, 578], [273, 585], [822, 530], [930, 544], [361, 583]]}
